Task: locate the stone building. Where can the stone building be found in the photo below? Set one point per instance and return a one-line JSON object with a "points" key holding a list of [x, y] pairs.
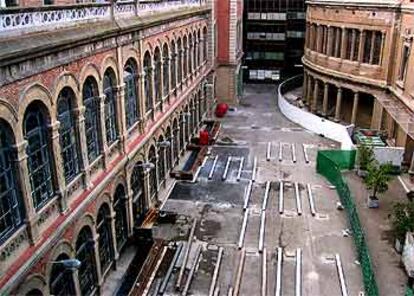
{"points": [[358, 61], [97, 104]]}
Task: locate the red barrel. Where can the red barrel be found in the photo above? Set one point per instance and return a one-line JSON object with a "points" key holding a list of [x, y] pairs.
{"points": [[221, 109], [203, 137]]}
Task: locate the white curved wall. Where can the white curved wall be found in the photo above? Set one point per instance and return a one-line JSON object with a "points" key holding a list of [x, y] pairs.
{"points": [[314, 123]]}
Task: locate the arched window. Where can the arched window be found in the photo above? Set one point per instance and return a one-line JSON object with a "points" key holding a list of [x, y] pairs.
{"points": [[199, 48], [205, 44], [85, 254], [185, 59], [131, 98], [11, 209], [176, 142], [103, 228], [149, 101], [38, 155], [173, 65], [91, 103], [169, 150], [200, 107], [166, 69], [67, 134], [179, 61], [157, 75], [121, 227], [183, 138], [110, 106], [61, 278], [161, 161], [152, 158], [190, 53], [138, 199]]}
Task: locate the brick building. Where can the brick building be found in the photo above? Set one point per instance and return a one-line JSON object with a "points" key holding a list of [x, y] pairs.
{"points": [[358, 61], [97, 104]]}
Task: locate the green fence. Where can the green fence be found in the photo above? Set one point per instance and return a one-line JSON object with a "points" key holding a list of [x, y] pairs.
{"points": [[409, 292], [329, 164]]}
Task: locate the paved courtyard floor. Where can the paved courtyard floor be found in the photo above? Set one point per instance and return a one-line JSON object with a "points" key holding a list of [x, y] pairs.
{"points": [[310, 237]]}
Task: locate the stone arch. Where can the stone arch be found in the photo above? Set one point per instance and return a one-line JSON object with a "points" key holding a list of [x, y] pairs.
{"points": [[132, 55], [63, 247], [148, 46], [9, 114], [66, 79], [110, 62], [35, 92], [104, 198], [90, 70], [34, 282], [119, 180], [139, 157], [86, 220]]}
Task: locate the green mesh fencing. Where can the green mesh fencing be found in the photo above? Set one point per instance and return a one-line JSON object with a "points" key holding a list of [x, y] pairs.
{"points": [[329, 164], [409, 292]]}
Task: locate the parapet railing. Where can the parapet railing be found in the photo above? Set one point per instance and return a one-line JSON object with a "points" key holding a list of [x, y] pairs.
{"points": [[15, 20]]}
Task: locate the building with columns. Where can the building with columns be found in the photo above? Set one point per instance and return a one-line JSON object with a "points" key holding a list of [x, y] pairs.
{"points": [[357, 64], [97, 104]]}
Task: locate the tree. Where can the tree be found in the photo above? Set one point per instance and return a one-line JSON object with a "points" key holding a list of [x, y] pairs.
{"points": [[377, 178], [402, 219], [365, 156]]}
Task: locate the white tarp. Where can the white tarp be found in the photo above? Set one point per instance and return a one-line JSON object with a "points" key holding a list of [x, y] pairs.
{"points": [[408, 254]]}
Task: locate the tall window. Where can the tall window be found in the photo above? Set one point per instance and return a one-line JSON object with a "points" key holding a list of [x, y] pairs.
{"points": [[157, 75], [61, 278], [110, 106], [205, 44], [90, 101], [179, 61], [38, 156], [161, 161], [85, 254], [67, 134], [376, 55], [185, 59], [138, 200], [11, 209], [173, 66], [199, 48], [190, 53], [153, 172], [357, 37], [131, 99], [149, 101], [121, 228], [166, 69], [404, 61], [103, 228]]}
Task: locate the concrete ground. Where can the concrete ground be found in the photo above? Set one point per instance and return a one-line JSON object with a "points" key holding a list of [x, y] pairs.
{"points": [[391, 277], [217, 205]]}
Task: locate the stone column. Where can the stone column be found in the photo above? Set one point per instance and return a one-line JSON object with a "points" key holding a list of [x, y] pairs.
{"points": [[305, 85], [59, 177], [161, 90], [382, 46], [146, 188], [130, 212], [309, 91], [361, 46], [103, 130], [80, 125], [338, 105], [355, 107], [371, 52], [329, 42], [75, 277], [177, 138], [153, 86], [26, 190], [120, 116], [112, 219], [344, 43], [353, 43], [318, 38], [315, 96], [99, 277], [325, 99], [337, 49]]}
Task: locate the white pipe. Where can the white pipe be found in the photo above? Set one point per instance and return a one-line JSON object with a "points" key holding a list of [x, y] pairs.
{"points": [[281, 201], [280, 151], [268, 151], [187, 252], [278, 291], [240, 169], [196, 174], [226, 169], [192, 270], [230, 291], [266, 196], [254, 169], [344, 290], [262, 231], [403, 185], [293, 152], [243, 229], [216, 292], [247, 195], [305, 153], [216, 272], [311, 202], [264, 273], [298, 279], [239, 273], [213, 167], [298, 199]]}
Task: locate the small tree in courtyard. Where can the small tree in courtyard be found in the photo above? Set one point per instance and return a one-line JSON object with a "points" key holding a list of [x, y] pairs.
{"points": [[402, 220], [365, 157], [377, 179]]}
